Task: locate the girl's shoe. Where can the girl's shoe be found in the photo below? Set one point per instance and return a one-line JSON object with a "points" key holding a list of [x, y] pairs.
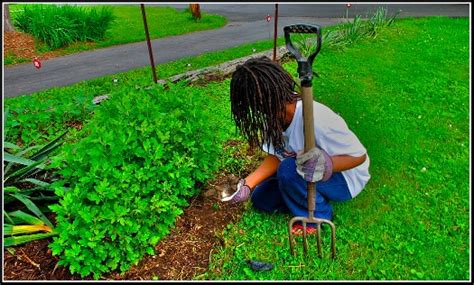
{"points": [[297, 229]]}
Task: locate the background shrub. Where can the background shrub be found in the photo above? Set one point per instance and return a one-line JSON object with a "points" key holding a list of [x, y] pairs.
{"points": [[59, 26], [127, 180]]}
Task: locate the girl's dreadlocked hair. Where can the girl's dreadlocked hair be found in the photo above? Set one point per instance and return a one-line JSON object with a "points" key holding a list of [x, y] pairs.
{"points": [[259, 91]]}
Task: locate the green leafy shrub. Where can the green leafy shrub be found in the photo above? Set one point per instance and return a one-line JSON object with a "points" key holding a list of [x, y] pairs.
{"points": [[144, 153], [36, 119], [59, 26]]}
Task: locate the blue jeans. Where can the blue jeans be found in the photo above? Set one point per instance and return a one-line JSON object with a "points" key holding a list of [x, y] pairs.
{"points": [[286, 192]]}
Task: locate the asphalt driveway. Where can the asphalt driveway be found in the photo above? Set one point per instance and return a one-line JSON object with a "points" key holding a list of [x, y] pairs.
{"points": [[246, 24]]}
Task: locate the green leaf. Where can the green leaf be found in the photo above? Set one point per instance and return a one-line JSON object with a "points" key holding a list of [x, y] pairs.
{"points": [[23, 172], [16, 159], [248, 272], [37, 182], [51, 146], [24, 229], [150, 250], [12, 241], [8, 217], [22, 217], [11, 189], [33, 208], [10, 145], [154, 240], [22, 152]]}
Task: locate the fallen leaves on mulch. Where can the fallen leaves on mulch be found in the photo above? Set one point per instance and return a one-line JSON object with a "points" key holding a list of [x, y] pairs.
{"points": [[19, 44], [22, 45]]}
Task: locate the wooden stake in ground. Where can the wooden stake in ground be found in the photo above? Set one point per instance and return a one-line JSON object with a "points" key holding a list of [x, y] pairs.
{"points": [[275, 32], [150, 51]]}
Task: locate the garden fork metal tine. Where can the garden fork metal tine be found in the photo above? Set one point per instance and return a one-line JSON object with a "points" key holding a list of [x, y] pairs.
{"points": [[333, 237], [319, 222], [311, 219], [319, 240], [305, 239]]}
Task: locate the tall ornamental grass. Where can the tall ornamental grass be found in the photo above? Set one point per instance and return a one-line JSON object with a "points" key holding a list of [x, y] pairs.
{"points": [[59, 26]]}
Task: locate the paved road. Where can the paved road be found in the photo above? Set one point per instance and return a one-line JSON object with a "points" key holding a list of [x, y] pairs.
{"points": [[246, 24], [255, 12]]}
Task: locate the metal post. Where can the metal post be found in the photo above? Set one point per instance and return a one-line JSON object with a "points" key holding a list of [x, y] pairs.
{"points": [[275, 32], [152, 61]]}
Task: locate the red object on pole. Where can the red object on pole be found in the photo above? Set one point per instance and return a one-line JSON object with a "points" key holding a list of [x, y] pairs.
{"points": [[275, 33], [152, 61]]}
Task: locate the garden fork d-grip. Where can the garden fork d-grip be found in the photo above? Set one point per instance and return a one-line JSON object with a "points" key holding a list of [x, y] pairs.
{"points": [[305, 72]]}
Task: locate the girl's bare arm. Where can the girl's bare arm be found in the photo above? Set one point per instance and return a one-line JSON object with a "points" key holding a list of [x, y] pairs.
{"points": [[268, 167]]}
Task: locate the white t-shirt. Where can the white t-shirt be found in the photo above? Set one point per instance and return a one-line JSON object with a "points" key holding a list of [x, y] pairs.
{"points": [[333, 135]]}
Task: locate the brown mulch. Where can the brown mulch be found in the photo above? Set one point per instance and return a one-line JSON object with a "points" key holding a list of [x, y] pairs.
{"points": [[181, 255], [22, 45]]}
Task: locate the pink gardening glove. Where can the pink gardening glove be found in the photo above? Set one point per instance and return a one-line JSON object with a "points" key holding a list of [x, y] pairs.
{"points": [[314, 165], [241, 194]]}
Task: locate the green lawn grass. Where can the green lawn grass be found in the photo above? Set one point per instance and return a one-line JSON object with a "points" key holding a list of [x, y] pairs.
{"points": [[13, 59], [128, 26], [406, 96]]}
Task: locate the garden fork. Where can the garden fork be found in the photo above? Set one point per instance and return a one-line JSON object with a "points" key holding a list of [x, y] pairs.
{"points": [[306, 75]]}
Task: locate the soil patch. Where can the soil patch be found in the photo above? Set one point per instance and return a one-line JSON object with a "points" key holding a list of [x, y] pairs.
{"points": [[181, 255]]}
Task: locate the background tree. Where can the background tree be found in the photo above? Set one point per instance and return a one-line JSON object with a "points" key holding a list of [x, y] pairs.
{"points": [[7, 23], [195, 11]]}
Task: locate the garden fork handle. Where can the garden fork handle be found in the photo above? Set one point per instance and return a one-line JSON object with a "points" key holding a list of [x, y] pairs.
{"points": [[305, 71], [309, 140]]}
